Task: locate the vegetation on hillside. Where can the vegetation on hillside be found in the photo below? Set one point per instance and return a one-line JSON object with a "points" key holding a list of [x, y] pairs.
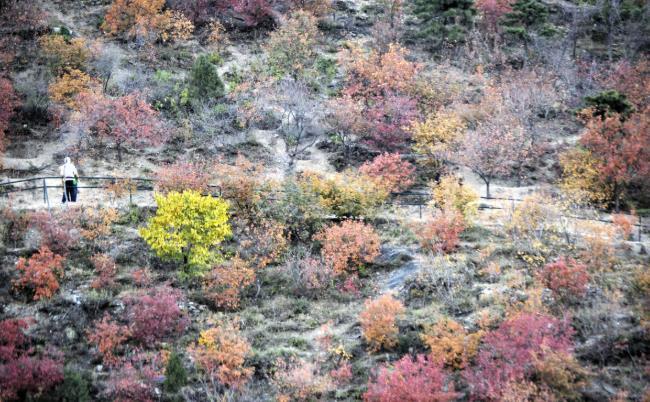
{"points": [[382, 200]]}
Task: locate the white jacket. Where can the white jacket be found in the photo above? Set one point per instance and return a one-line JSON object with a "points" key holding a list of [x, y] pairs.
{"points": [[68, 170]]}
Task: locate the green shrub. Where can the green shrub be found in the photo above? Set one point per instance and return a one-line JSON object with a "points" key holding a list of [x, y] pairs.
{"points": [[609, 102], [204, 79], [175, 374], [74, 387]]}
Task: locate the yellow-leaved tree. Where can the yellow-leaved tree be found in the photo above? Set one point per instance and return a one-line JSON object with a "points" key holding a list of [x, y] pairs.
{"points": [[188, 228], [436, 135], [582, 182], [449, 192], [345, 194]]}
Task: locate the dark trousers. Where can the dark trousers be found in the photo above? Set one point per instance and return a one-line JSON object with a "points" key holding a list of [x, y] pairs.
{"points": [[70, 192]]}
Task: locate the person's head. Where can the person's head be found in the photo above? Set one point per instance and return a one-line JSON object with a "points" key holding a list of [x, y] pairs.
{"points": [[67, 160]]}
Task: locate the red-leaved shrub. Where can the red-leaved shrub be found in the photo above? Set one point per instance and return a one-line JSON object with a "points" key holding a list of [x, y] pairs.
{"points": [[389, 171], [308, 274], [566, 277], [108, 337], [155, 316], [8, 103], [349, 245], [342, 374], [136, 379], [57, 231], [41, 273], [413, 380], [440, 234], [21, 369], [106, 269], [508, 353], [387, 119], [181, 176], [141, 277], [492, 11]]}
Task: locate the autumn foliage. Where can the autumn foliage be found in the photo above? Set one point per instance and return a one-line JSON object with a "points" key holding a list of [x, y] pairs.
{"points": [[221, 352], [156, 316], [300, 381], [345, 194], [146, 20], [624, 224], [109, 337], [55, 230], [225, 282], [492, 11], [389, 171], [127, 120], [440, 234], [8, 103], [620, 147], [385, 83], [349, 245], [508, 353], [418, 379], [106, 269], [66, 88], [22, 369], [449, 193], [262, 242], [379, 322], [448, 341], [567, 278], [61, 54], [181, 176], [40, 274]]}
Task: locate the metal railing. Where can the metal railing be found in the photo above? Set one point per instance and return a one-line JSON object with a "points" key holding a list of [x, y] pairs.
{"points": [[411, 198]]}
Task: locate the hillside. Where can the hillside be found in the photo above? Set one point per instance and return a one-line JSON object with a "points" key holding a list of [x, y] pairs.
{"points": [[337, 200]]}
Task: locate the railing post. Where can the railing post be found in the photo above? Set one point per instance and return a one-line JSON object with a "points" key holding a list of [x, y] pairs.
{"points": [[640, 227], [46, 198]]}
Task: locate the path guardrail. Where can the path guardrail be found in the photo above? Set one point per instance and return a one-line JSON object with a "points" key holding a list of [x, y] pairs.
{"points": [[412, 198]]}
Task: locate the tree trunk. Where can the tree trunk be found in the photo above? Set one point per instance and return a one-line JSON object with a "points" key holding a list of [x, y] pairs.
{"points": [[487, 188], [617, 197]]}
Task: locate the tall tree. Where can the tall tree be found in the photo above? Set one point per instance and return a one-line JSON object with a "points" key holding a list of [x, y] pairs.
{"points": [[444, 21], [8, 103], [526, 17], [621, 147], [125, 121]]}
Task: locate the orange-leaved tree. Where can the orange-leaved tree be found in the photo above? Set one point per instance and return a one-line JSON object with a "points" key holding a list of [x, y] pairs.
{"points": [[66, 88], [621, 147]]}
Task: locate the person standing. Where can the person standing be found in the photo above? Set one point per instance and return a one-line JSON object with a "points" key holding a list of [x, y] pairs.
{"points": [[69, 177]]}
